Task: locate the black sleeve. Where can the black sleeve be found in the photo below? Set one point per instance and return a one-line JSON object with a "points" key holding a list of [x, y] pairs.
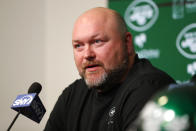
{"points": [[146, 87], [56, 120]]}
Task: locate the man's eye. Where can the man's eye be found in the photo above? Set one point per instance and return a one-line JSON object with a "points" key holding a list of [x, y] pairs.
{"points": [[97, 41], [77, 46]]}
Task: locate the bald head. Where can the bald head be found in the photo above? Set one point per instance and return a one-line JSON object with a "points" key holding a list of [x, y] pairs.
{"points": [[101, 15], [103, 49]]}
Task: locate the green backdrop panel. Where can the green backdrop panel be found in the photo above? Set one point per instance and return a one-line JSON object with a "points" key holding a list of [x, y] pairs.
{"points": [[164, 31]]}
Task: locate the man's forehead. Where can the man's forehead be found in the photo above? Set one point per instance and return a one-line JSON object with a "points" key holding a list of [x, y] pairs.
{"points": [[94, 21], [90, 26], [92, 18], [81, 37], [96, 15]]}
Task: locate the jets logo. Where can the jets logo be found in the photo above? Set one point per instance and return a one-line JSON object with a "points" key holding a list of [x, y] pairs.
{"points": [[186, 41], [111, 115], [112, 112], [141, 15]]}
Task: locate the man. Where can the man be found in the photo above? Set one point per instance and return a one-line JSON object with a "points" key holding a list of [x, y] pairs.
{"points": [[115, 83]]}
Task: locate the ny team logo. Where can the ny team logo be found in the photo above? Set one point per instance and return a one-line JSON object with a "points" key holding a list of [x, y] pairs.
{"points": [[186, 41], [141, 15]]}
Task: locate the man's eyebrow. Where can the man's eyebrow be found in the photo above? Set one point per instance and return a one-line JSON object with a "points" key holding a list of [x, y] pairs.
{"points": [[93, 36], [76, 41]]}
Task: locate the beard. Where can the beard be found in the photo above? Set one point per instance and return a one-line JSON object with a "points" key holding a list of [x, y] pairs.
{"points": [[108, 77]]}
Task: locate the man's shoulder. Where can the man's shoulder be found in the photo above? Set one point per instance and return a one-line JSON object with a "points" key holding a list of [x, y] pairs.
{"points": [[75, 84], [145, 75], [76, 89], [143, 81], [144, 66], [145, 70]]}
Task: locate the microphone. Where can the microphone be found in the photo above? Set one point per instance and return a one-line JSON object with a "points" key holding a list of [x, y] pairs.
{"points": [[29, 105], [35, 88]]}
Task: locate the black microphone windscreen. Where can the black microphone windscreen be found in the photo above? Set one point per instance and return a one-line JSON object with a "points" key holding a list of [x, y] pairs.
{"points": [[35, 88]]}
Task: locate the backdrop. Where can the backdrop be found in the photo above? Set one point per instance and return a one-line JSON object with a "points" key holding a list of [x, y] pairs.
{"points": [[164, 31]]}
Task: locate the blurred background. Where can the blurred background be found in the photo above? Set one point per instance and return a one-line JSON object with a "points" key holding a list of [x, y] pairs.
{"points": [[35, 45]]}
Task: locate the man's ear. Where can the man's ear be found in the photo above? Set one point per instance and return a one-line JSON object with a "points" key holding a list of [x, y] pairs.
{"points": [[129, 43]]}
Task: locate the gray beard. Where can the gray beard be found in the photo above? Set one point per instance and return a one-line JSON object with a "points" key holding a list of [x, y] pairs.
{"points": [[110, 77]]}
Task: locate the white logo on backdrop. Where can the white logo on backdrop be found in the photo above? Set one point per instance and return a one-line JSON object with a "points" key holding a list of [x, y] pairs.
{"points": [[141, 14], [186, 41], [191, 68], [140, 40]]}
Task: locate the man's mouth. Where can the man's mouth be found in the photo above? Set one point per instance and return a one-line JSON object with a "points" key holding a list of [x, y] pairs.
{"points": [[92, 68]]}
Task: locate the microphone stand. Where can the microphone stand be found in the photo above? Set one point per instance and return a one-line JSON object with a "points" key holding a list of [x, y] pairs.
{"points": [[13, 121]]}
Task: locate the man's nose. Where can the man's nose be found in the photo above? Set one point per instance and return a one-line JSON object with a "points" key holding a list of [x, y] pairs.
{"points": [[89, 54]]}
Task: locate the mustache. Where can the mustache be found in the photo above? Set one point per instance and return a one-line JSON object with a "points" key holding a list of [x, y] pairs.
{"points": [[91, 63]]}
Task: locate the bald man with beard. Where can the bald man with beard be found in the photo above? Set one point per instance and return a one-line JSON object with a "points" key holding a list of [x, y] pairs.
{"points": [[115, 84]]}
